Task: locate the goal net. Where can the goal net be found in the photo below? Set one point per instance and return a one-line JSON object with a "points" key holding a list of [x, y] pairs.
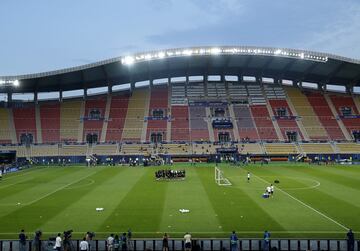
{"points": [[220, 179]]}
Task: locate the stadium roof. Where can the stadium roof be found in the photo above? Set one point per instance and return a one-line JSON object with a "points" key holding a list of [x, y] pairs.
{"points": [[277, 63]]}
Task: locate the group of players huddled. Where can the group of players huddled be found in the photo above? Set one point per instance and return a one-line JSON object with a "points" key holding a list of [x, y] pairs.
{"points": [[169, 174]]}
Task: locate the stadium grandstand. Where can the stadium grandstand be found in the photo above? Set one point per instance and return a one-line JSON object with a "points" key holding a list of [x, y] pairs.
{"points": [[187, 102], [235, 109]]}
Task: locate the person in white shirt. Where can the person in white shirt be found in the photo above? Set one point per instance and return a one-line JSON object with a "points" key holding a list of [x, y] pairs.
{"points": [[1, 174], [268, 190], [110, 242], [187, 238], [248, 177], [84, 245], [272, 190], [58, 242]]}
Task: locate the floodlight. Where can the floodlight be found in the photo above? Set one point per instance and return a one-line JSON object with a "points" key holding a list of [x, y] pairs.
{"points": [[277, 52], [215, 51], [128, 60], [16, 83], [187, 52], [161, 54]]}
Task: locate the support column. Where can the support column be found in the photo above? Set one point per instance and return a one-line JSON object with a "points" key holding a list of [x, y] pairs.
{"points": [[222, 78], [349, 89], [240, 79], [132, 87], [9, 97], [60, 96], [110, 88], [36, 97], [85, 93]]}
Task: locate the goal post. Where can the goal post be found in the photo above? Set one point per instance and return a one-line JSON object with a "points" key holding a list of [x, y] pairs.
{"points": [[220, 179]]}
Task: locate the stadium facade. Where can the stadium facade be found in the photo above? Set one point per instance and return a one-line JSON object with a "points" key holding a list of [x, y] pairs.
{"points": [[188, 102]]}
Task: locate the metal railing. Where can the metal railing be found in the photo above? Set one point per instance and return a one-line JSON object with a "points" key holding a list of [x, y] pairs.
{"points": [[198, 244]]}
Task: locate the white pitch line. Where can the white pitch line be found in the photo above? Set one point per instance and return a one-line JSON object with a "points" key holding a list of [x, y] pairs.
{"points": [[12, 184], [24, 173], [56, 190], [306, 205]]}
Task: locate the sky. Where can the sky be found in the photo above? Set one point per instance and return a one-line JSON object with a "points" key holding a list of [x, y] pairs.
{"points": [[45, 35]]}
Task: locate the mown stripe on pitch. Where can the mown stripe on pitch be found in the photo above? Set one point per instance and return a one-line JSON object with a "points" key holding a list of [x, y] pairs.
{"points": [[32, 177], [188, 194], [332, 205], [343, 193], [142, 207], [243, 205], [34, 215]]}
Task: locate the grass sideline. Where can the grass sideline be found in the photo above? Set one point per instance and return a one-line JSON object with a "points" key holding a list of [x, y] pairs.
{"points": [[309, 202]]}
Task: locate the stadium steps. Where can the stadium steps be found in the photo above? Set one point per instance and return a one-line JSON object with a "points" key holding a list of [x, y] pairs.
{"points": [[73, 150], [298, 122], [38, 124], [253, 148], [81, 124], [6, 126], [134, 120], [357, 102], [146, 109], [106, 116], [348, 148], [339, 121], [334, 147], [168, 122], [105, 149], [284, 149], [316, 148], [44, 150], [12, 127], [275, 123], [209, 125], [235, 126]]}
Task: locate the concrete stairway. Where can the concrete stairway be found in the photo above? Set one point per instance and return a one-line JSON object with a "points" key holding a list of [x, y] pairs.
{"points": [[38, 124], [105, 122]]}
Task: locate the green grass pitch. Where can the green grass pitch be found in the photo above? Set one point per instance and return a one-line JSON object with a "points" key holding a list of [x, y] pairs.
{"points": [[309, 202]]}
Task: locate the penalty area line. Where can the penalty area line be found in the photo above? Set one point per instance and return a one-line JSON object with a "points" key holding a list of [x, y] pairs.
{"points": [[306, 205]]}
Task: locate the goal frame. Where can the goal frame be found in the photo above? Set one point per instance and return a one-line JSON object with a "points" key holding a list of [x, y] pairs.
{"points": [[220, 179]]}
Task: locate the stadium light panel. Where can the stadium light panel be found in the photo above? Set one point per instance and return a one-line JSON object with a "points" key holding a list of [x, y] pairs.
{"points": [[278, 52], [129, 60], [215, 51], [16, 83], [161, 54]]}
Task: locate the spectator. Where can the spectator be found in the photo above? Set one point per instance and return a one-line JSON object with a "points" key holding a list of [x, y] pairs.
{"points": [[89, 236], [84, 245], [129, 238], [37, 241], [187, 238], [58, 242], [110, 241], [233, 241], [350, 240], [165, 242], [123, 241], [116, 243], [22, 240], [266, 244]]}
